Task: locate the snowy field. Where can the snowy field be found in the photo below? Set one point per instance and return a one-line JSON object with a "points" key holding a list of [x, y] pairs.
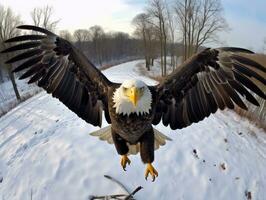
{"points": [[46, 153], [7, 95], [155, 70]]}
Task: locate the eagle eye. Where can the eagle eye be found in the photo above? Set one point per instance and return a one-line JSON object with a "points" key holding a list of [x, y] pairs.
{"points": [[124, 89]]}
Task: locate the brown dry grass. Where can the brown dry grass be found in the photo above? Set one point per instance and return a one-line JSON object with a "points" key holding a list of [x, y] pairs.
{"points": [[251, 117], [143, 71]]}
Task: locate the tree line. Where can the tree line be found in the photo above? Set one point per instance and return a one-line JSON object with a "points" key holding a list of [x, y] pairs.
{"points": [[102, 48], [165, 23]]}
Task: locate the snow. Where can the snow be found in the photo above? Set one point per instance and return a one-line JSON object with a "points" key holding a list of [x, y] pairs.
{"points": [[46, 152], [125, 71], [155, 70], [7, 95]]}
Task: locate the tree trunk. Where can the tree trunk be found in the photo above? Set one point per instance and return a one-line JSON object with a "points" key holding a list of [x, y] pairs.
{"points": [[149, 50], [165, 47], [161, 45], [146, 50], [164, 67], [12, 78], [147, 63], [173, 61], [152, 61]]}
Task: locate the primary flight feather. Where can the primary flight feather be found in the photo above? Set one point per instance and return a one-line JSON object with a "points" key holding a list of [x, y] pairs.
{"points": [[212, 79]]}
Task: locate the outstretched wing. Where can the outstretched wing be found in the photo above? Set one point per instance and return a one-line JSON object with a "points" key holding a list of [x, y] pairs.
{"points": [[210, 80], [62, 70]]}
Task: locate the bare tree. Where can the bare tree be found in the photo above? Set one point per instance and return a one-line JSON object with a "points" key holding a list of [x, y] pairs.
{"points": [[106, 49], [147, 32], [157, 10], [42, 16], [97, 35], [8, 23], [152, 35], [120, 39], [141, 22], [199, 22], [171, 26], [66, 35], [80, 37]]}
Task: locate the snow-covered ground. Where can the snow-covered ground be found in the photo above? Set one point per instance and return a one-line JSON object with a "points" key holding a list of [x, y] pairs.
{"points": [[155, 70], [46, 153], [7, 95]]}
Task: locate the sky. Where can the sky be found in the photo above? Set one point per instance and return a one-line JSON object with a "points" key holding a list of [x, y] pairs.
{"points": [[246, 19]]}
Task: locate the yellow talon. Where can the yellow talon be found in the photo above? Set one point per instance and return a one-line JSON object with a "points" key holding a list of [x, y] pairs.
{"points": [[150, 170], [124, 161]]}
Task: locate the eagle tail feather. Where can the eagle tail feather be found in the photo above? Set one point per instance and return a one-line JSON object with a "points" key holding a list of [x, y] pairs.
{"points": [[105, 134]]}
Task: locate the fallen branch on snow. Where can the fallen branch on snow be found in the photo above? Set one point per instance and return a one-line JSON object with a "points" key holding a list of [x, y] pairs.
{"points": [[128, 196]]}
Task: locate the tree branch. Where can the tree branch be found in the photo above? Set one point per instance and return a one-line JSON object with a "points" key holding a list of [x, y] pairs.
{"points": [[128, 196]]}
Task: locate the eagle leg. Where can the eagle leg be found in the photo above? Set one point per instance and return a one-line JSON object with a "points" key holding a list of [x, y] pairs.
{"points": [[147, 153], [121, 148], [151, 170]]}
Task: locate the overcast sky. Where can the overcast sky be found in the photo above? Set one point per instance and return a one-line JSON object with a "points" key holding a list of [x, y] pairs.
{"points": [[246, 18]]}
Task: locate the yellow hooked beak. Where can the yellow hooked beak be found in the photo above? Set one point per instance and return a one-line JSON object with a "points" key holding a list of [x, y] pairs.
{"points": [[134, 95]]}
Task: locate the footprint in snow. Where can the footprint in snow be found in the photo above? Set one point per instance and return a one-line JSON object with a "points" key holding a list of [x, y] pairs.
{"points": [[248, 195], [223, 166], [195, 153]]}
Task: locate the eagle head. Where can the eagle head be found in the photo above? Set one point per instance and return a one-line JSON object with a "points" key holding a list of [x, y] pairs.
{"points": [[133, 96]]}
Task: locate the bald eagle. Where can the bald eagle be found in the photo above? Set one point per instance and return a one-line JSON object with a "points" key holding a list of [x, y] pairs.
{"points": [[211, 79]]}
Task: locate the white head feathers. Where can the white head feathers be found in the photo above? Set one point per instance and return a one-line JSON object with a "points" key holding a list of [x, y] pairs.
{"points": [[122, 103]]}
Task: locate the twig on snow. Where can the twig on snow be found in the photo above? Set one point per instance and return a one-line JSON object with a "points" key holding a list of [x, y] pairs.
{"points": [[128, 196]]}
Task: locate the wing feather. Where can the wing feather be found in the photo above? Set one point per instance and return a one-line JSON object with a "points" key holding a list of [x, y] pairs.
{"points": [[244, 92], [62, 70], [27, 54], [23, 46], [25, 37], [248, 72], [29, 62], [212, 79], [249, 84]]}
